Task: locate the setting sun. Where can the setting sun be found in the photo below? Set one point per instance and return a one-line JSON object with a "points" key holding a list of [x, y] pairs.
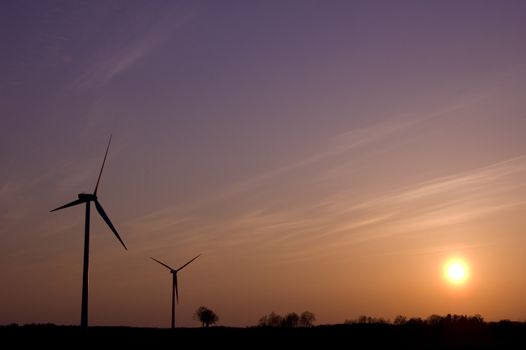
{"points": [[456, 271]]}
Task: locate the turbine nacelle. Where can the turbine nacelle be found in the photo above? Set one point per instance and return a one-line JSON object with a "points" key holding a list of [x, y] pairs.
{"points": [[86, 197]]}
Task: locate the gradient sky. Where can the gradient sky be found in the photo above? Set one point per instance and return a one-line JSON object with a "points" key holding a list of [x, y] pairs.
{"points": [[322, 155]]}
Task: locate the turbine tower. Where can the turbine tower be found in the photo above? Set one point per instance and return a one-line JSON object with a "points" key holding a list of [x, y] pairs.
{"points": [[88, 198], [175, 291]]}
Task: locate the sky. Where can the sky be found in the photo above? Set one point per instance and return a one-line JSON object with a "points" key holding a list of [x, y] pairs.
{"points": [[328, 156]]}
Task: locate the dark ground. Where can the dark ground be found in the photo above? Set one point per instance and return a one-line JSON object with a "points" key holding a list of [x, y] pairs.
{"points": [[502, 334]]}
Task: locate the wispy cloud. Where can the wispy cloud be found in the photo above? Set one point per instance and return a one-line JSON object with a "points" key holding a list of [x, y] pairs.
{"points": [[356, 139], [259, 221], [158, 221], [102, 72], [473, 180], [338, 145], [319, 213], [441, 249], [442, 202], [455, 214], [418, 209], [117, 60]]}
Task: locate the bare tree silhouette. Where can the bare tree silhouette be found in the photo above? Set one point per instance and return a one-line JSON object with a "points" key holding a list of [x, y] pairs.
{"points": [[307, 319], [206, 316], [271, 320], [291, 320], [400, 320]]}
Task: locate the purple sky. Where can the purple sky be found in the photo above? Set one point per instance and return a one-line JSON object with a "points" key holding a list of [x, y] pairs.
{"points": [[322, 155]]}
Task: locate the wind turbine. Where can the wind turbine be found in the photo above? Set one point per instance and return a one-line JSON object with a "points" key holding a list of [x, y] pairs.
{"points": [[88, 198], [175, 292]]}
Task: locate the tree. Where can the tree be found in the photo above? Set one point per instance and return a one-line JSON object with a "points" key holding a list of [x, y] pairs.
{"points": [[477, 319], [363, 319], [274, 320], [206, 316], [415, 321], [400, 320], [307, 319], [434, 319], [291, 320], [263, 321]]}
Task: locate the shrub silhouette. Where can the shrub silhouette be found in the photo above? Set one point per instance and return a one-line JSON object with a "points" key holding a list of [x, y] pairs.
{"points": [[206, 316]]}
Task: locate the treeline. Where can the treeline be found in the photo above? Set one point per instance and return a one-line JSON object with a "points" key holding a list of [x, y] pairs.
{"points": [[307, 319], [292, 319], [432, 320]]}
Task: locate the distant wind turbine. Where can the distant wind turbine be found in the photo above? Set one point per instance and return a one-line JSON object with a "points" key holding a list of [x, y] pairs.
{"points": [[175, 292], [88, 198]]}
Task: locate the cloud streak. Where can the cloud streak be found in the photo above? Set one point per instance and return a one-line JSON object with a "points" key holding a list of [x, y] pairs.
{"points": [[470, 181], [118, 60], [324, 210], [409, 210]]}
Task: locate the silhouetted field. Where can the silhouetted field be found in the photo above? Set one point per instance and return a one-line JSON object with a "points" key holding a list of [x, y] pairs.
{"points": [[485, 335]]}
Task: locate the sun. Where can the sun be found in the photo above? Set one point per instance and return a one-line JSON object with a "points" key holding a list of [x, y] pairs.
{"points": [[456, 271]]}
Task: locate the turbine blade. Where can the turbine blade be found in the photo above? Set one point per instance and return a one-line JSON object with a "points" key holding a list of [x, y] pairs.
{"points": [[168, 267], [102, 168], [176, 289], [75, 202], [107, 219], [179, 269]]}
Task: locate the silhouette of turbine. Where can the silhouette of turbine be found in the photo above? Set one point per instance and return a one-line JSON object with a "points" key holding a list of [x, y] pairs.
{"points": [[175, 291], [88, 198]]}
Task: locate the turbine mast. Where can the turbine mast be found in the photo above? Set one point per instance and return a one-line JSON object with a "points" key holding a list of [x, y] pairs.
{"points": [[174, 277], [85, 273]]}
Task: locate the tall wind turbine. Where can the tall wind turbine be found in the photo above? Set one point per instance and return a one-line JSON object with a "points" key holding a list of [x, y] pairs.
{"points": [[175, 292], [88, 198]]}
